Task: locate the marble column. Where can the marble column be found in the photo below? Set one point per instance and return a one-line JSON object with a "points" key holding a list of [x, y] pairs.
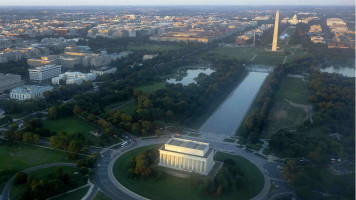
{"points": [[172, 163]]}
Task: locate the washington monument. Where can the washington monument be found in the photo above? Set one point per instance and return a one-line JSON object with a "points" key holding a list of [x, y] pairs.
{"points": [[275, 34]]}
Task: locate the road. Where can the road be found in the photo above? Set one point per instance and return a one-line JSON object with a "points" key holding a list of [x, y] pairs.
{"points": [[104, 177], [6, 190]]}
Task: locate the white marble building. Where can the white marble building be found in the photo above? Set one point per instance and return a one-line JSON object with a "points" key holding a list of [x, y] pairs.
{"points": [[187, 155]]}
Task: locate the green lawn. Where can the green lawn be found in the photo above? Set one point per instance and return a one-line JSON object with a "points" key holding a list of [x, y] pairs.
{"points": [[72, 125], [293, 89], [247, 53], [151, 87], [76, 180], [178, 188], [76, 195], [155, 48], [129, 107], [69, 124], [284, 114], [101, 196], [268, 60], [15, 157], [233, 52]]}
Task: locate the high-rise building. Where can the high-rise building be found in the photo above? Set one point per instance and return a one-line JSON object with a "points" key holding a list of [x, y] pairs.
{"points": [[44, 72], [275, 34]]}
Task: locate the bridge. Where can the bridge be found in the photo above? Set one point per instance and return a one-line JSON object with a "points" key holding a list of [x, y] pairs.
{"points": [[259, 68]]}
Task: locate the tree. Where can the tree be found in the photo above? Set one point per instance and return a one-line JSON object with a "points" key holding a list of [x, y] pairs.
{"points": [[74, 146], [52, 112], [20, 178], [36, 138], [27, 137]]}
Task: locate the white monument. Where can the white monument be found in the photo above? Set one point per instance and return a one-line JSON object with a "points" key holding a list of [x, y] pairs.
{"points": [[187, 155], [275, 34]]}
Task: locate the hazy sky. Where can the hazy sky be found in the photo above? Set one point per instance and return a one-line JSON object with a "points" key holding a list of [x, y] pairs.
{"points": [[176, 2]]}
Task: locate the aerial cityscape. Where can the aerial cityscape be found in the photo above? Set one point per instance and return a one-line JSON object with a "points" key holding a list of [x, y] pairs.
{"points": [[178, 100]]}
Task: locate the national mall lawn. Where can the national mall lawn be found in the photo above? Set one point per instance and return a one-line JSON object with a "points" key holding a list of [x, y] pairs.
{"points": [[15, 157], [171, 187]]}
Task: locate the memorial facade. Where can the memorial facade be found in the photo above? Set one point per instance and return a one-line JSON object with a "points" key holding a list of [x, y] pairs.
{"points": [[187, 155]]}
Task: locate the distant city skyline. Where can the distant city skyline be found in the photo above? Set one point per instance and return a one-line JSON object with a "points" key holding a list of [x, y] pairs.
{"points": [[173, 2]]}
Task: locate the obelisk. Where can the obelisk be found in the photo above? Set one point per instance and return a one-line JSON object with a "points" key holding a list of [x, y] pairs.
{"points": [[275, 34]]}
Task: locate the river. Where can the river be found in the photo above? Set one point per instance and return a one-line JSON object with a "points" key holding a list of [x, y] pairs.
{"points": [[228, 117]]}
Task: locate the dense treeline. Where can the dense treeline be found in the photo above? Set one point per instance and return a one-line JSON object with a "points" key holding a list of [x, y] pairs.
{"points": [[54, 184], [20, 68], [333, 98], [230, 178], [178, 103], [25, 107], [308, 180], [254, 123], [318, 149]]}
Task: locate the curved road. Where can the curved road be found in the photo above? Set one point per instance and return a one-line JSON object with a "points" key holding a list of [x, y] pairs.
{"points": [[6, 190], [104, 177], [106, 182]]}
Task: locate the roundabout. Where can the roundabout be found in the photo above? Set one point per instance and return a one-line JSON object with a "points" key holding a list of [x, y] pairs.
{"points": [[106, 181]]}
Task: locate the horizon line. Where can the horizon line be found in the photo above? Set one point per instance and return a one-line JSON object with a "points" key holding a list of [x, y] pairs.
{"points": [[338, 5]]}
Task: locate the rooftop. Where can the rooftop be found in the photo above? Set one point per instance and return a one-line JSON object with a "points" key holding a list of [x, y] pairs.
{"points": [[29, 88], [188, 144]]}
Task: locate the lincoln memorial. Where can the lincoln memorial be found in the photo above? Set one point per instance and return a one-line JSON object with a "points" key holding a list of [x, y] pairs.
{"points": [[187, 155]]}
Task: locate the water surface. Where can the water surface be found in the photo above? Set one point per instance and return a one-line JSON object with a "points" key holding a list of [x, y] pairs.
{"points": [[228, 117], [190, 76], [345, 71]]}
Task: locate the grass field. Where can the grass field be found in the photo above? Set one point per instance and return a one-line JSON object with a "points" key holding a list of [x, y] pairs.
{"points": [[129, 107], [155, 48], [16, 191], [249, 53], [151, 87], [293, 89], [268, 60], [290, 108], [72, 125], [233, 53], [15, 157], [101, 196], [76, 195], [178, 188], [69, 124]]}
